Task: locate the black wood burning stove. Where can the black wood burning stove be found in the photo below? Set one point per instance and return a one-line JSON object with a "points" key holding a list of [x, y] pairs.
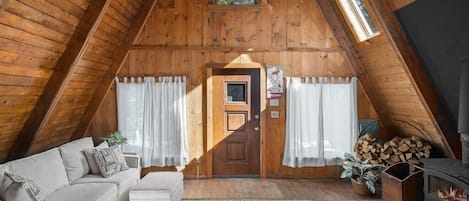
{"points": [[445, 180], [463, 121], [448, 179]]}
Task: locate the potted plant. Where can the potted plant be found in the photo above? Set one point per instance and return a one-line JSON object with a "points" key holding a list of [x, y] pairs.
{"points": [[363, 174], [114, 138]]}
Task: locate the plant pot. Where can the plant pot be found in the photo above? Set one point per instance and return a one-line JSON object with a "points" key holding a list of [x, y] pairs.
{"points": [[360, 188]]}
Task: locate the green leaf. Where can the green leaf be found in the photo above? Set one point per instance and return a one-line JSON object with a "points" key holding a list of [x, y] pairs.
{"points": [[371, 186], [114, 138], [346, 174]]}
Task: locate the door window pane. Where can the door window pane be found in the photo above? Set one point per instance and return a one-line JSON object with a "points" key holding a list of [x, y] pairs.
{"points": [[236, 92]]}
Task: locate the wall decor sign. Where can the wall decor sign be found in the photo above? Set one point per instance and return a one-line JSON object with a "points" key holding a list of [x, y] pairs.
{"points": [[274, 82]]}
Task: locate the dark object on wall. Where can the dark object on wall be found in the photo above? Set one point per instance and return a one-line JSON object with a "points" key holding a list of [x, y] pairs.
{"points": [[440, 39], [445, 179], [463, 124], [400, 183], [368, 126]]}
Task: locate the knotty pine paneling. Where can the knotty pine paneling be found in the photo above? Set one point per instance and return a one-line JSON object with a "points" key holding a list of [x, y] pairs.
{"points": [[34, 35], [278, 24], [193, 64], [96, 60], [182, 37], [395, 96]]}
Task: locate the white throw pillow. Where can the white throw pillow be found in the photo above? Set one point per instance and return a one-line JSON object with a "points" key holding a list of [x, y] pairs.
{"points": [[16, 188], [73, 158], [110, 161], [91, 160]]}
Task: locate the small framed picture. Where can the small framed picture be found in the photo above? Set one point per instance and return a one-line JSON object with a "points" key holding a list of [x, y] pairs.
{"points": [[274, 82]]}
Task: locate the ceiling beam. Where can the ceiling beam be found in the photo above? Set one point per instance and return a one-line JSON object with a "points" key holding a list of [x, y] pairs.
{"points": [[117, 60], [438, 113], [63, 70]]}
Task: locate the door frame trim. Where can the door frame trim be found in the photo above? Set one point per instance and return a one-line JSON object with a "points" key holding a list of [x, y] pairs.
{"points": [[263, 107]]}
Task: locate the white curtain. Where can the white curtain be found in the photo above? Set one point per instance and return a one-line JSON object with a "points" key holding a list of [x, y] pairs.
{"points": [[163, 141], [129, 95], [322, 121]]}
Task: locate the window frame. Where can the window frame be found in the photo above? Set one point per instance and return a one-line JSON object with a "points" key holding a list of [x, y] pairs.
{"points": [[369, 38], [246, 93], [213, 7]]}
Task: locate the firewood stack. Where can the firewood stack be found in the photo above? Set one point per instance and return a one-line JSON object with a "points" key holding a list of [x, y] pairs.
{"points": [[398, 149]]}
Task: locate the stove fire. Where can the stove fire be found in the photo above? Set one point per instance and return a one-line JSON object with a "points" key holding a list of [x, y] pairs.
{"points": [[451, 194]]}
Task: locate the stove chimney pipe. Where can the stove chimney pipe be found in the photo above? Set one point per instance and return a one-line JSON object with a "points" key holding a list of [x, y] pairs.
{"points": [[463, 123]]}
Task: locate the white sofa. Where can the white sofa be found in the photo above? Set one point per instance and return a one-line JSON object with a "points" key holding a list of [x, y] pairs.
{"points": [[63, 174]]}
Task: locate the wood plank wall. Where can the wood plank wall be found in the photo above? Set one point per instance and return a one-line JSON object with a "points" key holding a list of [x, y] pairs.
{"points": [[395, 92], [183, 36], [95, 62], [34, 35]]}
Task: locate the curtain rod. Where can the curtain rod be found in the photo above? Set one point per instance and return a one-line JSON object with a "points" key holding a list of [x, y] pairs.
{"points": [[336, 77], [142, 78], [156, 76]]}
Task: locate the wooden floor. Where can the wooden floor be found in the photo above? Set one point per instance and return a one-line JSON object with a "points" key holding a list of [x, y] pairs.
{"points": [[304, 189]]}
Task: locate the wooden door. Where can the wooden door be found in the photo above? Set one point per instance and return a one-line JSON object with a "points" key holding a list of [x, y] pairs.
{"points": [[236, 113]]}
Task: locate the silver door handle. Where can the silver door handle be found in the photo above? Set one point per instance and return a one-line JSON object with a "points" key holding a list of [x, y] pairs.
{"points": [[257, 128]]}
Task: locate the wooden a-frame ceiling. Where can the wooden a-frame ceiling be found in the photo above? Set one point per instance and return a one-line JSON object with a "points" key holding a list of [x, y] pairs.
{"points": [[68, 52]]}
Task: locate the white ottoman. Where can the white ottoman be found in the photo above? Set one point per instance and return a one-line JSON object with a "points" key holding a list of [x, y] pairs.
{"points": [[158, 186]]}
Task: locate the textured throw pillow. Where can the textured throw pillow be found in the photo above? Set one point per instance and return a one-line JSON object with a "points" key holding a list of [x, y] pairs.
{"points": [[110, 161], [90, 158], [16, 188]]}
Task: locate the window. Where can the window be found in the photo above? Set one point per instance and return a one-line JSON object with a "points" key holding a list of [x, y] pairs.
{"points": [[234, 5], [236, 92], [321, 121], [236, 2], [152, 116], [359, 19]]}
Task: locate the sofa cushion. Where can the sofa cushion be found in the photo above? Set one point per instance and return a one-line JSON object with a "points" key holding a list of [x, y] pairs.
{"points": [[46, 169], [91, 160], [75, 161], [88, 192], [110, 161], [16, 188], [124, 180], [3, 169]]}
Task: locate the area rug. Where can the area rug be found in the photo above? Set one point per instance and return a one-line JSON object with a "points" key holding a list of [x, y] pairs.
{"points": [[242, 199]]}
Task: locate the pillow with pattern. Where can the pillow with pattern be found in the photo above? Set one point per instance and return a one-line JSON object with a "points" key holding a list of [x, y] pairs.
{"points": [[94, 169], [16, 188], [110, 161]]}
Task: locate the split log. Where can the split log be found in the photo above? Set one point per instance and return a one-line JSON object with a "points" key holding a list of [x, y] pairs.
{"points": [[396, 150]]}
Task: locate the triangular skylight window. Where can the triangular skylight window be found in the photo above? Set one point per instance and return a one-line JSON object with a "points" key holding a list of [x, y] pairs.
{"points": [[359, 19]]}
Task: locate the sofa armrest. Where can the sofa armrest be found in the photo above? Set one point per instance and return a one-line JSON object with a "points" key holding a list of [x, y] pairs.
{"points": [[133, 160]]}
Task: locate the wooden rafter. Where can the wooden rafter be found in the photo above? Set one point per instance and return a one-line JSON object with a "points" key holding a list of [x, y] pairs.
{"points": [[118, 57], [3, 5], [438, 113], [63, 70]]}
